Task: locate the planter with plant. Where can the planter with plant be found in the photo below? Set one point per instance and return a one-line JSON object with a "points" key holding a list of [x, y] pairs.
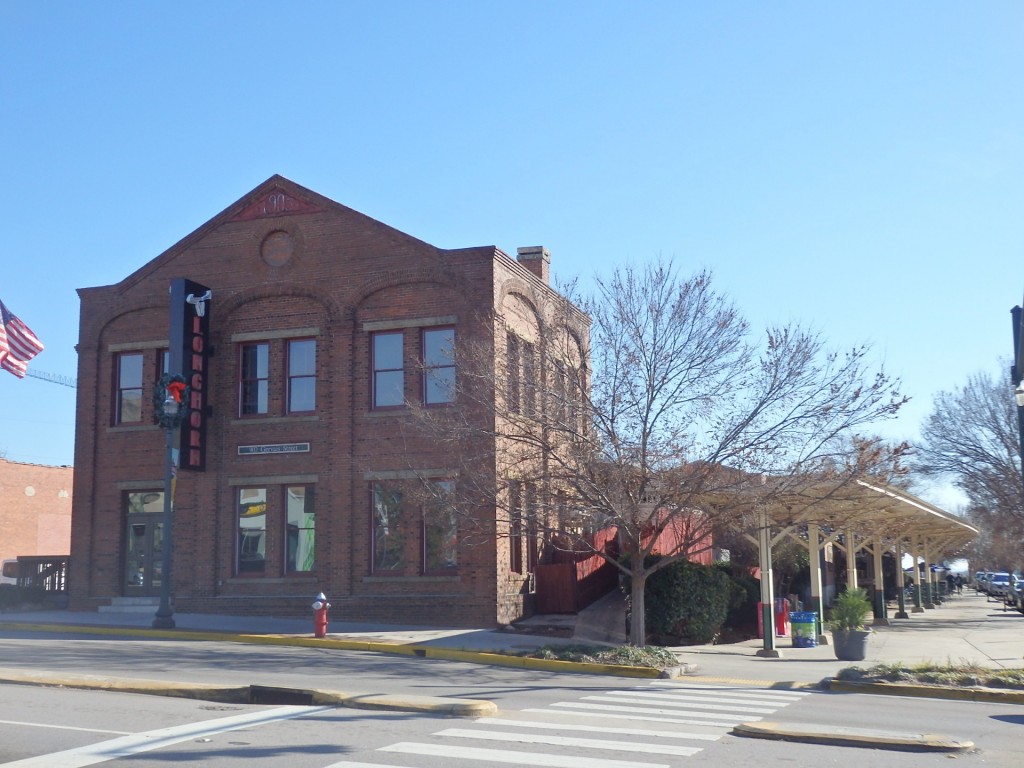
{"points": [[848, 623]]}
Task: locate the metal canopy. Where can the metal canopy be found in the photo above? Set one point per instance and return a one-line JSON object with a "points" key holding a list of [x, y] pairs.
{"points": [[873, 510]]}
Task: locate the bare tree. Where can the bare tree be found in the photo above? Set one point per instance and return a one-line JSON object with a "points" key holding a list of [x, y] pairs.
{"points": [[971, 438], [683, 423]]}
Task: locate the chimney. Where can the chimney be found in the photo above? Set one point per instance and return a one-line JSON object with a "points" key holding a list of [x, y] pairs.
{"points": [[536, 259]]}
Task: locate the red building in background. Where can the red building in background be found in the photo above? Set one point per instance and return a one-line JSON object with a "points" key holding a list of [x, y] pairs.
{"points": [[35, 513]]}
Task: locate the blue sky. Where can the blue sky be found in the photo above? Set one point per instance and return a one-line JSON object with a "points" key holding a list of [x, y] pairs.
{"points": [[858, 167]]}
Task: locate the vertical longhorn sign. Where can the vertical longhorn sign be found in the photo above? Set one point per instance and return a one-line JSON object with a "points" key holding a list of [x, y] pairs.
{"points": [[189, 355], [1017, 369]]}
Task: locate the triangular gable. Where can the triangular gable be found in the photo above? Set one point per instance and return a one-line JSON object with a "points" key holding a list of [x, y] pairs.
{"points": [[275, 197], [275, 202]]}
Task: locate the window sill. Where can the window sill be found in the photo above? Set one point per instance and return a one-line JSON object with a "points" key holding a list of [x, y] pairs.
{"points": [[383, 413], [263, 420], [379, 413], [242, 579], [378, 579]]}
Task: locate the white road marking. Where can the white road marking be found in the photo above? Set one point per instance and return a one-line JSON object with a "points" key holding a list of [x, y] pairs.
{"points": [[599, 729], [539, 760], [606, 708], [761, 693], [133, 744], [64, 727], [619, 715], [639, 699], [665, 696], [571, 741]]}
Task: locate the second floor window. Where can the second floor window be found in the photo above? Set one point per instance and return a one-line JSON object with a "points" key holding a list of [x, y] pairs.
{"points": [[513, 374], [255, 379], [128, 408], [301, 375], [388, 370], [438, 366]]}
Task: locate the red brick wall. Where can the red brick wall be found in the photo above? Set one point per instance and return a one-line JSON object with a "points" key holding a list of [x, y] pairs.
{"points": [[35, 516], [345, 270]]}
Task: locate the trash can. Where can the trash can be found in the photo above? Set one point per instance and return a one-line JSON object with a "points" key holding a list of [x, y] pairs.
{"points": [[804, 629]]}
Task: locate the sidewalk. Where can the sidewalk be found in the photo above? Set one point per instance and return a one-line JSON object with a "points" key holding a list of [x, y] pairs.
{"points": [[968, 628]]}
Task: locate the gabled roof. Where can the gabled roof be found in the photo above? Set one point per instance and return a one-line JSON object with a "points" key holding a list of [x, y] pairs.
{"points": [[275, 198]]}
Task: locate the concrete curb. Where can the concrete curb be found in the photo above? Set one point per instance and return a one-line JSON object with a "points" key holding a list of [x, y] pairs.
{"points": [[253, 694], [990, 695], [852, 737]]}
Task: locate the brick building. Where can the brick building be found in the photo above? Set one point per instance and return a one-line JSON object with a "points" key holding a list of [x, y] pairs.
{"points": [[324, 325], [35, 509]]}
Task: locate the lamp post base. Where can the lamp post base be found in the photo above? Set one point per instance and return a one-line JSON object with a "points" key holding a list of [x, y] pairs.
{"points": [[163, 619]]}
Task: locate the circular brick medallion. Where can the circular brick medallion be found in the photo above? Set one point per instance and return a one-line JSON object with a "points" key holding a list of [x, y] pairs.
{"points": [[277, 248]]}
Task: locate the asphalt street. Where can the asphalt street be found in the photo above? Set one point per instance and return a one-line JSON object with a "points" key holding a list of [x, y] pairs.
{"points": [[966, 628]]}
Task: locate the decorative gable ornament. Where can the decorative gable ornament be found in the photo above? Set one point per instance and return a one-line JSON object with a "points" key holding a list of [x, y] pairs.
{"points": [[276, 202]]}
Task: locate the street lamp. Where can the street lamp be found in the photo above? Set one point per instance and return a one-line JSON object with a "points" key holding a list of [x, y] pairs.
{"points": [[167, 399], [1018, 395], [1017, 377]]}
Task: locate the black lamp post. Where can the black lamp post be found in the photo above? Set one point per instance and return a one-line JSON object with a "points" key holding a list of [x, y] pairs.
{"points": [[1016, 373], [167, 400]]}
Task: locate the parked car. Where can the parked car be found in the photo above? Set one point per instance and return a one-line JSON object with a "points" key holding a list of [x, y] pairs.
{"points": [[998, 585], [1015, 595], [9, 574]]}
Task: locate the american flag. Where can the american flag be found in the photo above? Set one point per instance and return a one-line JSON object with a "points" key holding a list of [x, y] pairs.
{"points": [[18, 344]]}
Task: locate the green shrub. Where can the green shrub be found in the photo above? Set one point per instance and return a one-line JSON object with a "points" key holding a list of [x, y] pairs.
{"points": [[12, 596], [687, 600], [744, 595]]}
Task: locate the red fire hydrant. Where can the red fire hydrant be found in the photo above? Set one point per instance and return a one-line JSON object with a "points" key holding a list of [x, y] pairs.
{"points": [[320, 606]]}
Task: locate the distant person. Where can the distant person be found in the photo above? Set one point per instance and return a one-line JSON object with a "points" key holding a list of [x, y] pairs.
{"points": [[959, 584]]}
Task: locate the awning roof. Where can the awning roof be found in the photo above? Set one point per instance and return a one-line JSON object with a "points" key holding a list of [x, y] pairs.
{"points": [[878, 510]]}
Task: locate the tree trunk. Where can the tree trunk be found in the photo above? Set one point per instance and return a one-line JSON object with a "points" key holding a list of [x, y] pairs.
{"points": [[637, 625]]}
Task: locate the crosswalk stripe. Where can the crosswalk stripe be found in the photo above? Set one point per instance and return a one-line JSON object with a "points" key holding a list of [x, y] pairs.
{"points": [[772, 693], [704, 706], [540, 760], [599, 729], [665, 696], [571, 741], [619, 715], [603, 708]]}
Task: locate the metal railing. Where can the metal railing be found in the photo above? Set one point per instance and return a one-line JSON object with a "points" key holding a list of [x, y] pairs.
{"points": [[49, 572]]}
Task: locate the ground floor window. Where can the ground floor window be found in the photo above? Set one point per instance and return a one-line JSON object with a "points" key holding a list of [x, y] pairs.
{"points": [[414, 532], [301, 527], [276, 528]]}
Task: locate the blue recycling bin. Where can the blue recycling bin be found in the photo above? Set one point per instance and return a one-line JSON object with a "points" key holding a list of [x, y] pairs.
{"points": [[803, 628]]}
